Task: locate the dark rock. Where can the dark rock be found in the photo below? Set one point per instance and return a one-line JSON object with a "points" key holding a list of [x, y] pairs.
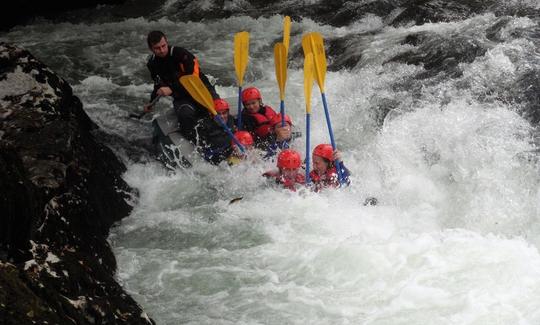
{"points": [[26, 10], [527, 93], [422, 11], [19, 304], [60, 192], [344, 12], [344, 53], [440, 53]]}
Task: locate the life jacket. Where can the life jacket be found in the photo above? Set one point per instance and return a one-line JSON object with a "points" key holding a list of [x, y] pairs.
{"points": [[286, 182], [262, 121], [183, 68], [328, 179]]}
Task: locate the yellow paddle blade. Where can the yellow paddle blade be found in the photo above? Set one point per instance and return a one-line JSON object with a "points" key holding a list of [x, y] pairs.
{"points": [[280, 58], [199, 92], [241, 53], [286, 32], [308, 80], [313, 43]]}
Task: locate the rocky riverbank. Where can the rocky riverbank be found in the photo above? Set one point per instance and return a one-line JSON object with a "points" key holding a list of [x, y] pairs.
{"points": [[60, 192]]}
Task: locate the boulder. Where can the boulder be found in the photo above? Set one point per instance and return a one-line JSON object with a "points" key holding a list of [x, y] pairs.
{"points": [[60, 192]]}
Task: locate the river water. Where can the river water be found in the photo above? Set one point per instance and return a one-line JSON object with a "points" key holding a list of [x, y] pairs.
{"points": [[435, 120]]}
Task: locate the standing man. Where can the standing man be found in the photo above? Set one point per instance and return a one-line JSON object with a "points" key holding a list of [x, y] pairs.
{"points": [[167, 64]]}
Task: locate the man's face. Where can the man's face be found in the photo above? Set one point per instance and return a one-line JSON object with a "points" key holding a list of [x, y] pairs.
{"points": [[161, 48]]}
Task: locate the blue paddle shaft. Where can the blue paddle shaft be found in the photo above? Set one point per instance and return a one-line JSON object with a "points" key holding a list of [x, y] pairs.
{"points": [[308, 154], [282, 111], [239, 116], [218, 118], [329, 123]]}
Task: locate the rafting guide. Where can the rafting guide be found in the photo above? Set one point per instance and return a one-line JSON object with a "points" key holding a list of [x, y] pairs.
{"points": [[166, 65]]}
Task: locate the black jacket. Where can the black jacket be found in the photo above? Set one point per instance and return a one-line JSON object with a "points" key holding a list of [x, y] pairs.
{"points": [[214, 141], [168, 70]]}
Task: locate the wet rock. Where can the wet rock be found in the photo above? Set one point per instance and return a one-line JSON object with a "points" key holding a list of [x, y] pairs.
{"points": [[60, 192], [439, 53], [18, 303], [24, 11], [422, 11], [343, 12], [527, 94], [345, 52]]}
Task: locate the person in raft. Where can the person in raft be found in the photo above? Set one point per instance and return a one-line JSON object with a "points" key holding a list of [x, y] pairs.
{"points": [[212, 140], [257, 117], [166, 65], [289, 173], [279, 137], [324, 173], [246, 140]]}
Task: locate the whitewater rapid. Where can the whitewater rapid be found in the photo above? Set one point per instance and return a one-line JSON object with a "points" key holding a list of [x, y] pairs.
{"points": [[453, 240]]}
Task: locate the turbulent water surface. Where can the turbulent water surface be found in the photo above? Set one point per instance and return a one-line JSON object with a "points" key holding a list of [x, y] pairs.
{"points": [[437, 120]]}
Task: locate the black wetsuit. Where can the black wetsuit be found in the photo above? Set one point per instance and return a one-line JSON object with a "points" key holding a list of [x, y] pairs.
{"points": [[167, 71], [213, 141]]}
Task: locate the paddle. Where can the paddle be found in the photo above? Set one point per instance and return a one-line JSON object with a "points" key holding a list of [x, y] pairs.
{"points": [[200, 93], [313, 43], [286, 32], [241, 51], [308, 85], [280, 59], [143, 113], [286, 41]]}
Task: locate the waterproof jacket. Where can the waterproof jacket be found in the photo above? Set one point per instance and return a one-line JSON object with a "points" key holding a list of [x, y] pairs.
{"points": [[167, 71]]}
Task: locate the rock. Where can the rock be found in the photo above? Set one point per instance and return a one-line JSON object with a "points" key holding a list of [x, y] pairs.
{"points": [[26, 10], [527, 94], [60, 192], [18, 303], [440, 54]]}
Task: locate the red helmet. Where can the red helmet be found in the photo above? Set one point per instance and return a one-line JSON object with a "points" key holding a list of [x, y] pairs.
{"points": [[244, 137], [289, 158], [277, 119], [251, 93], [221, 105], [325, 151]]}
